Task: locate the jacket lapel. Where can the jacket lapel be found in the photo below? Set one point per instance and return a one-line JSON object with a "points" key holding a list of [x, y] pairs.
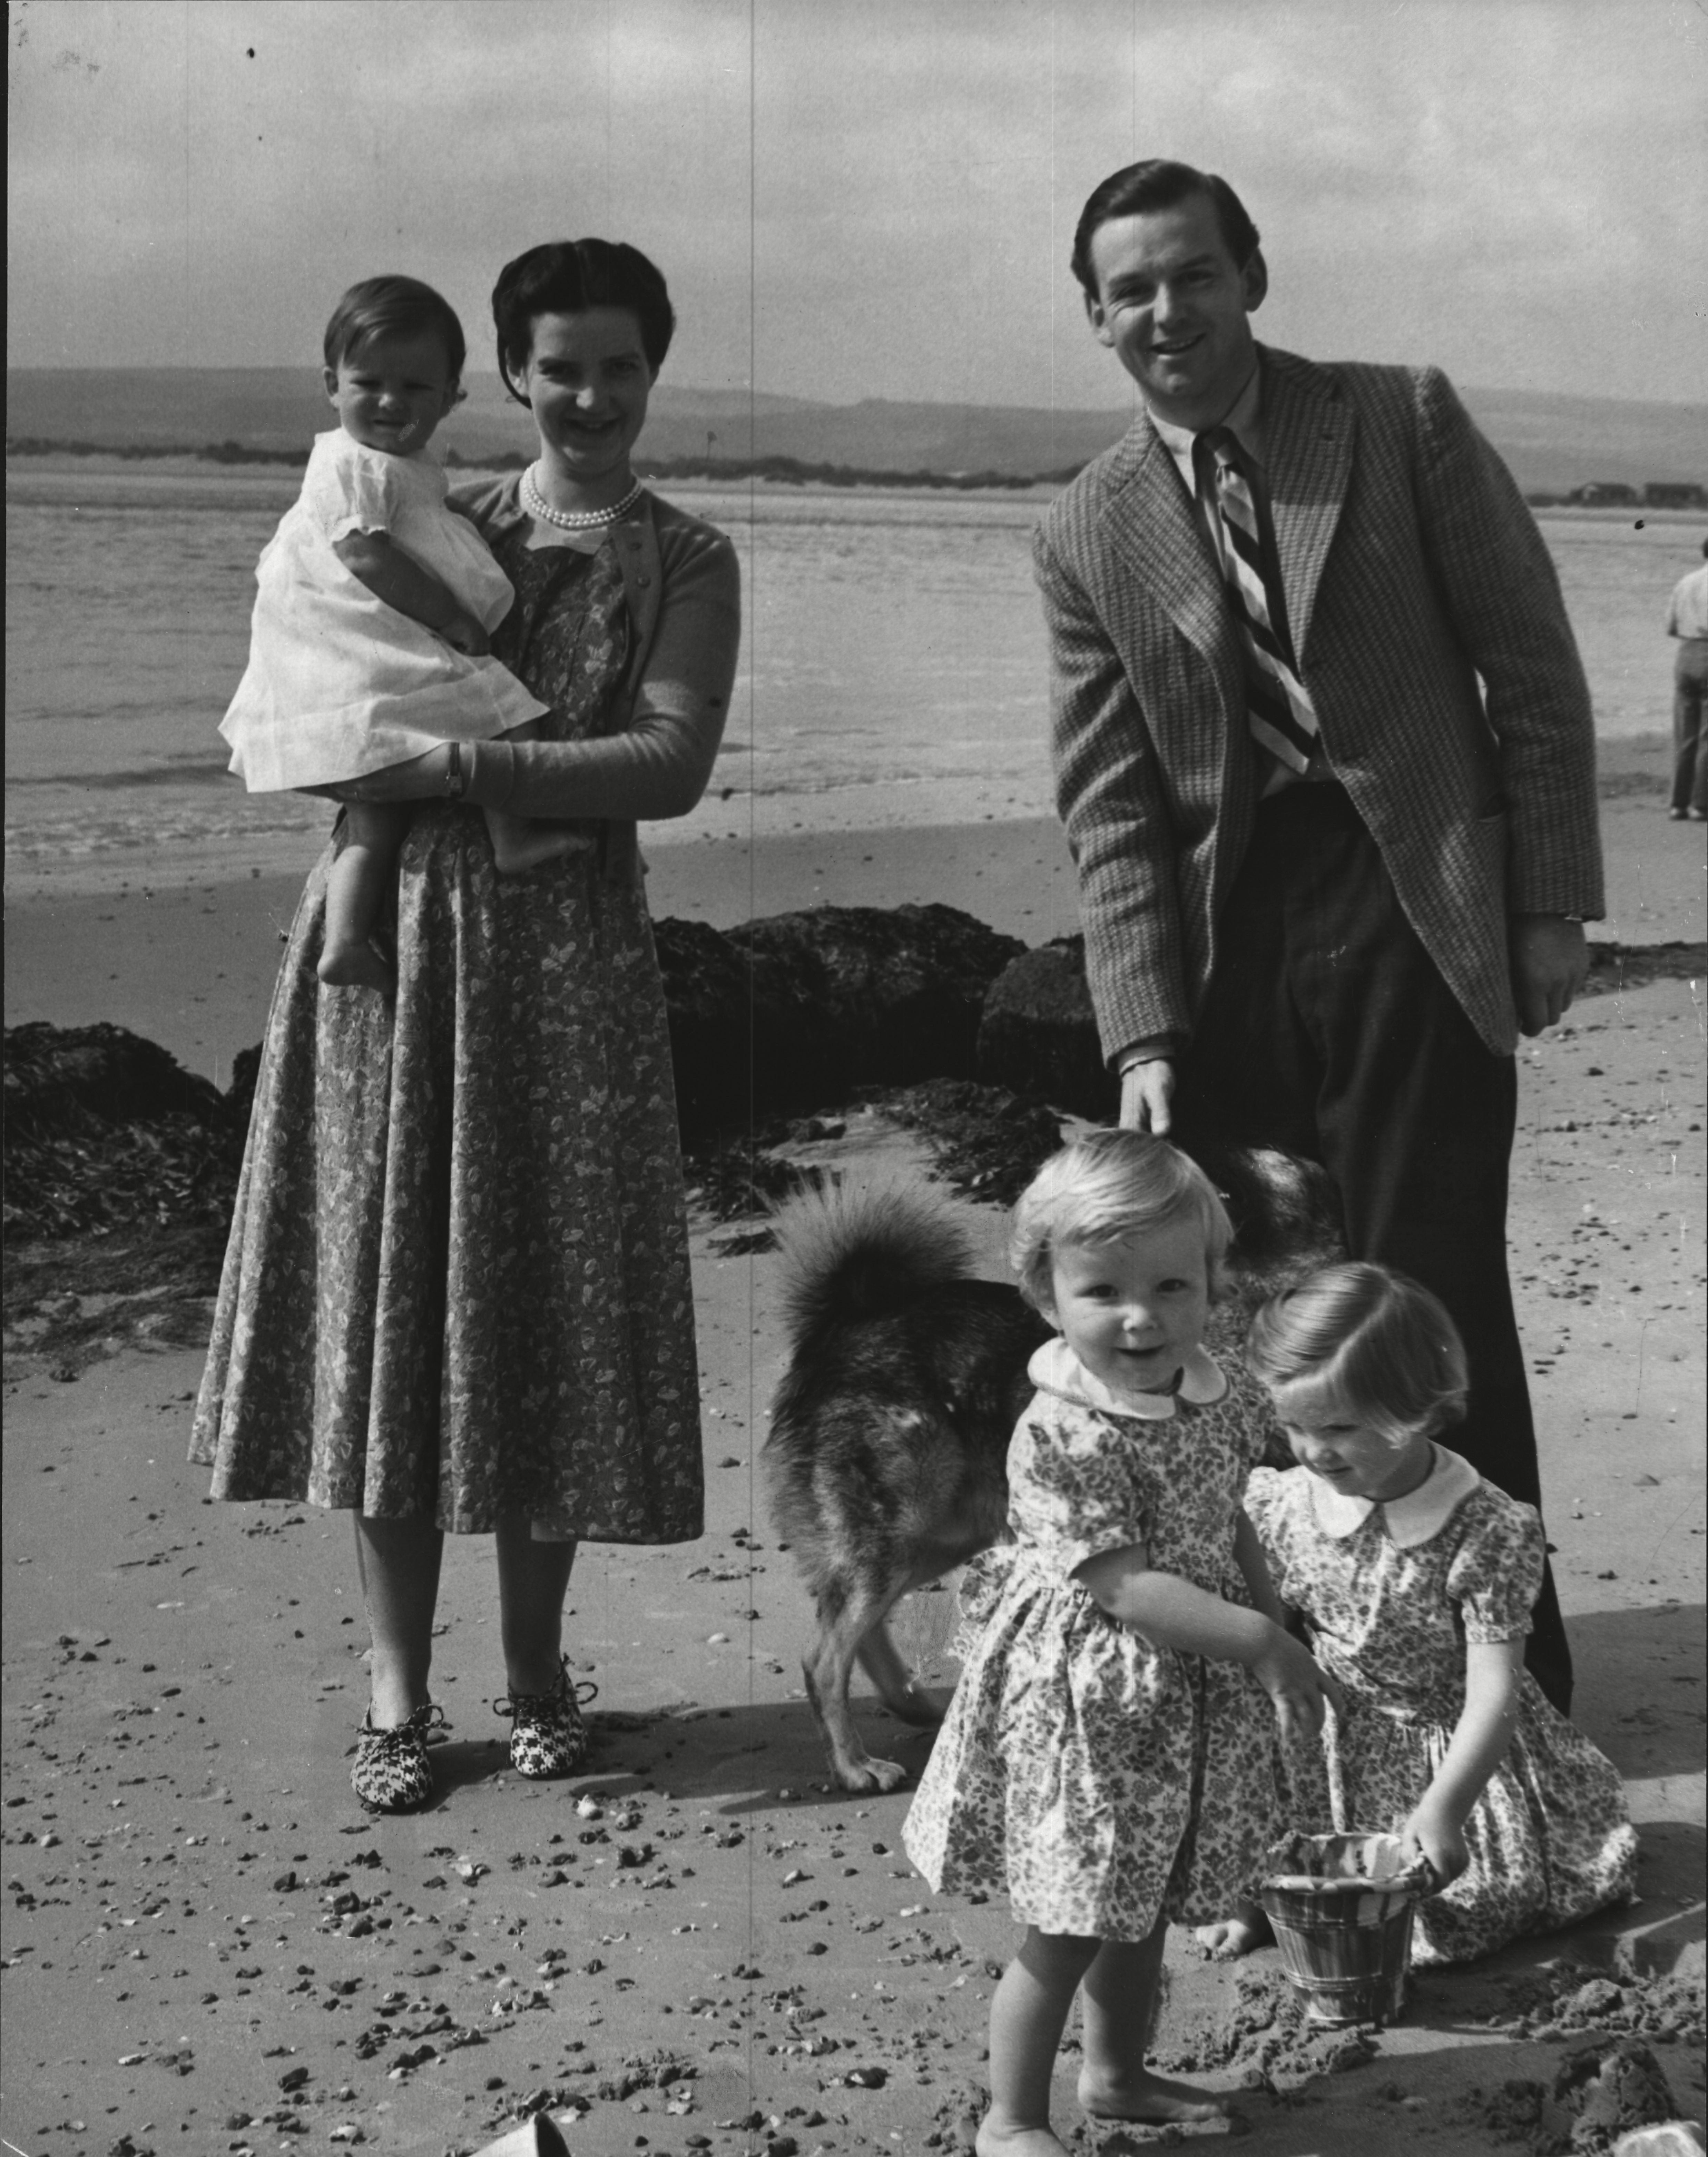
{"points": [[1152, 526], [1309, 432]]}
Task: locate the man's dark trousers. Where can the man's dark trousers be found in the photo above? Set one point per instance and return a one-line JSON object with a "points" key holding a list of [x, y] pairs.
{"points": [[1327, 1030]]}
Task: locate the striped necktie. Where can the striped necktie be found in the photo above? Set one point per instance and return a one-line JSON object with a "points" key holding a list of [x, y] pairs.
{"points": [[1283, 718]]}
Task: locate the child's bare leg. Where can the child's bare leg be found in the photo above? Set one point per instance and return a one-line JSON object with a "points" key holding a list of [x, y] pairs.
{"points": [[1028, 2012], [523, 843], [356, 887], [1230, 1938], [1121, 2000]]}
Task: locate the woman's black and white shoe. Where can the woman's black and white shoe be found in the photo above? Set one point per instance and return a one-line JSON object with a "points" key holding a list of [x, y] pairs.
{"points": [[392, 1773], [547, 1735]]}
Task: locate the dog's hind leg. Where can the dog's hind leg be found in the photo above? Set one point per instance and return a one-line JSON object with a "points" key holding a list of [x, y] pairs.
{"points": [[898, 1688], [851, 1621]]}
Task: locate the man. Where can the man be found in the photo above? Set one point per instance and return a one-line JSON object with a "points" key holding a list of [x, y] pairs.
{"points": [[1687, 619], [1323, 751]]}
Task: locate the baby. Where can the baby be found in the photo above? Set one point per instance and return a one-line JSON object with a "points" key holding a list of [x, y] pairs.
{"points": [[370, 640]]}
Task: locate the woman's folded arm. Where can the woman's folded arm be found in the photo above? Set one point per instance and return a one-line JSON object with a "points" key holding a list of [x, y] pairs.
{"points": [[659, 764]]}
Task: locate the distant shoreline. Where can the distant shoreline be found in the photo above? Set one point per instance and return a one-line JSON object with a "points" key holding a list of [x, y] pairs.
{"points": [[779, 474], [793, 473]]}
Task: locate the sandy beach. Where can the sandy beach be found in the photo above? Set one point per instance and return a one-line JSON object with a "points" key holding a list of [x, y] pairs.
{"points": [[696, 1945]]}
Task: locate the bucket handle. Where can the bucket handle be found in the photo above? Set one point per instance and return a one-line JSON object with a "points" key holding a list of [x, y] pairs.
{"points": [[1337, 1767]]}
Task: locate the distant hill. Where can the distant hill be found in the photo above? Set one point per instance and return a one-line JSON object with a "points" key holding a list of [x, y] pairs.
{"points": [[1552, 443]]}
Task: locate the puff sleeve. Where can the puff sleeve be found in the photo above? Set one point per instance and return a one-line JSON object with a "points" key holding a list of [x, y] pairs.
{"points": [[1496, 1573]]}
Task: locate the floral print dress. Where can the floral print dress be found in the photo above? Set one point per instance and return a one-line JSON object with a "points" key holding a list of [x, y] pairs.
{"points": [[1102, 1781], [457, 1284], [1393, 1593]]}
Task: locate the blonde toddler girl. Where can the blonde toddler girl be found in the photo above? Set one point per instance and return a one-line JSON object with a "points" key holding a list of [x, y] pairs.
{"points": [[1109, 1756]]}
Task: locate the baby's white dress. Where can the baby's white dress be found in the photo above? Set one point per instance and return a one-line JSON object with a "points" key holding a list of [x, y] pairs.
{"points": [[338, 684]]}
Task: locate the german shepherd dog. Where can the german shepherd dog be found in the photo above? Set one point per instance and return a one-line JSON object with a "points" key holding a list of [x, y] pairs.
{"points": [[887, 1461]]}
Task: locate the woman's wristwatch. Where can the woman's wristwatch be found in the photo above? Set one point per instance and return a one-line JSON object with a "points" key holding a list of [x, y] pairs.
{"points": [[457, 783]]}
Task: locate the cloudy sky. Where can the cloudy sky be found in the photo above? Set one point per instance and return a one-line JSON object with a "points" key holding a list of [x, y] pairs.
{"points": [[868, 197]]}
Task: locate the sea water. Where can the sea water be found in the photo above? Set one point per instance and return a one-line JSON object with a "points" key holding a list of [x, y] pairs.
{"points": [[893, 667]]}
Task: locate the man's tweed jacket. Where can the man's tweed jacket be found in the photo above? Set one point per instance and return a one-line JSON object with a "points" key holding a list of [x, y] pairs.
{"points": [[1412, 567]]}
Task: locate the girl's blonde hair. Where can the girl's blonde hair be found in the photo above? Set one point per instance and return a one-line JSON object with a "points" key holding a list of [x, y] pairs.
{"points": [[1108, 1184], [1362, 1342]]}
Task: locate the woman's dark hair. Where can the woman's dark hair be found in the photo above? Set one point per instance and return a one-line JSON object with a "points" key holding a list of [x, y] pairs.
{"points": [[401, 307], [566, 277], [1159, 183]]}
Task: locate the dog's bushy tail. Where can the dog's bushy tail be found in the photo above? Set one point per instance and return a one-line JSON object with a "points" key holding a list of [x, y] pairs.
{"points": [[858, 1250]]}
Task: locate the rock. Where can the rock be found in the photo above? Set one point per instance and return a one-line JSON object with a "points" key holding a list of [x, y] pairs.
{"points": [[1038, 1037], [793, 1012], [62, 1079], [706, 991], [892, 994], [1613, 967], [106, 1130]]}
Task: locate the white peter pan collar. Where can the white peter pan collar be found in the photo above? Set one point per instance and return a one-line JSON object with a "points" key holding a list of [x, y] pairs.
{"points": [[1414, 1519], [1054, 1368]]}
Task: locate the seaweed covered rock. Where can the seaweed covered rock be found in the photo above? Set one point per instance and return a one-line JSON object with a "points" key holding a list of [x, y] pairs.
{"points": [[104, 1129], [1038, 1034], [708, 996], [61, 1079], [889, 995], [796, 1011]]}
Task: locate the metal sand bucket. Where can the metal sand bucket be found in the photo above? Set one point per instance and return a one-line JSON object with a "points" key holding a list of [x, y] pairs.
{"points": [[1345, 1931], [1341, 1906]]}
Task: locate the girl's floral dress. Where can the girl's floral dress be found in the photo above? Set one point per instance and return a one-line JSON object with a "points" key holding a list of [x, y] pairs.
{"points": [[1101, 1781], [1391, 1594], [457, 1284]]}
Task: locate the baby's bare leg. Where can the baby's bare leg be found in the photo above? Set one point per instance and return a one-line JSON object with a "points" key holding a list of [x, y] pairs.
{"points": [[523, 843], [357, 886]]}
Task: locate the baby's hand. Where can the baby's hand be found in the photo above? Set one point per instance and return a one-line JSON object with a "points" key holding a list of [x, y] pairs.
{"points": [[1286, 1672], [1440, 1841], [464, 634]]}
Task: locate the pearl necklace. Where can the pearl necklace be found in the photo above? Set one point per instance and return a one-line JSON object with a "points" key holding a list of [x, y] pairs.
{"points": [[574, 520]]}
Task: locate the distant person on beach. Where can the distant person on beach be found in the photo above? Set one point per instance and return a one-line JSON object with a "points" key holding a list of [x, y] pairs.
{"points": [[371, 635], [1687, 619], [1324, 754], [456, 1296]]}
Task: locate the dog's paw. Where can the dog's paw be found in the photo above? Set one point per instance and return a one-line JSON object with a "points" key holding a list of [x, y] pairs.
{"points": [[865, 1776]]}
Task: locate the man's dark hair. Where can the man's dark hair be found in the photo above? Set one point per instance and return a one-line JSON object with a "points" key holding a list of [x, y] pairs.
{"points": [[1156, 183], [566, 277]]}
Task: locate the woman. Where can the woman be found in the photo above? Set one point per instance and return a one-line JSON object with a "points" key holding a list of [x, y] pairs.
{"points": [[456, 1296]]}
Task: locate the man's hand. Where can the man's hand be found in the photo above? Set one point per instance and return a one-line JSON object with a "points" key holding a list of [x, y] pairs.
{"points": [[1550, 960], [1146, 1090]]}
